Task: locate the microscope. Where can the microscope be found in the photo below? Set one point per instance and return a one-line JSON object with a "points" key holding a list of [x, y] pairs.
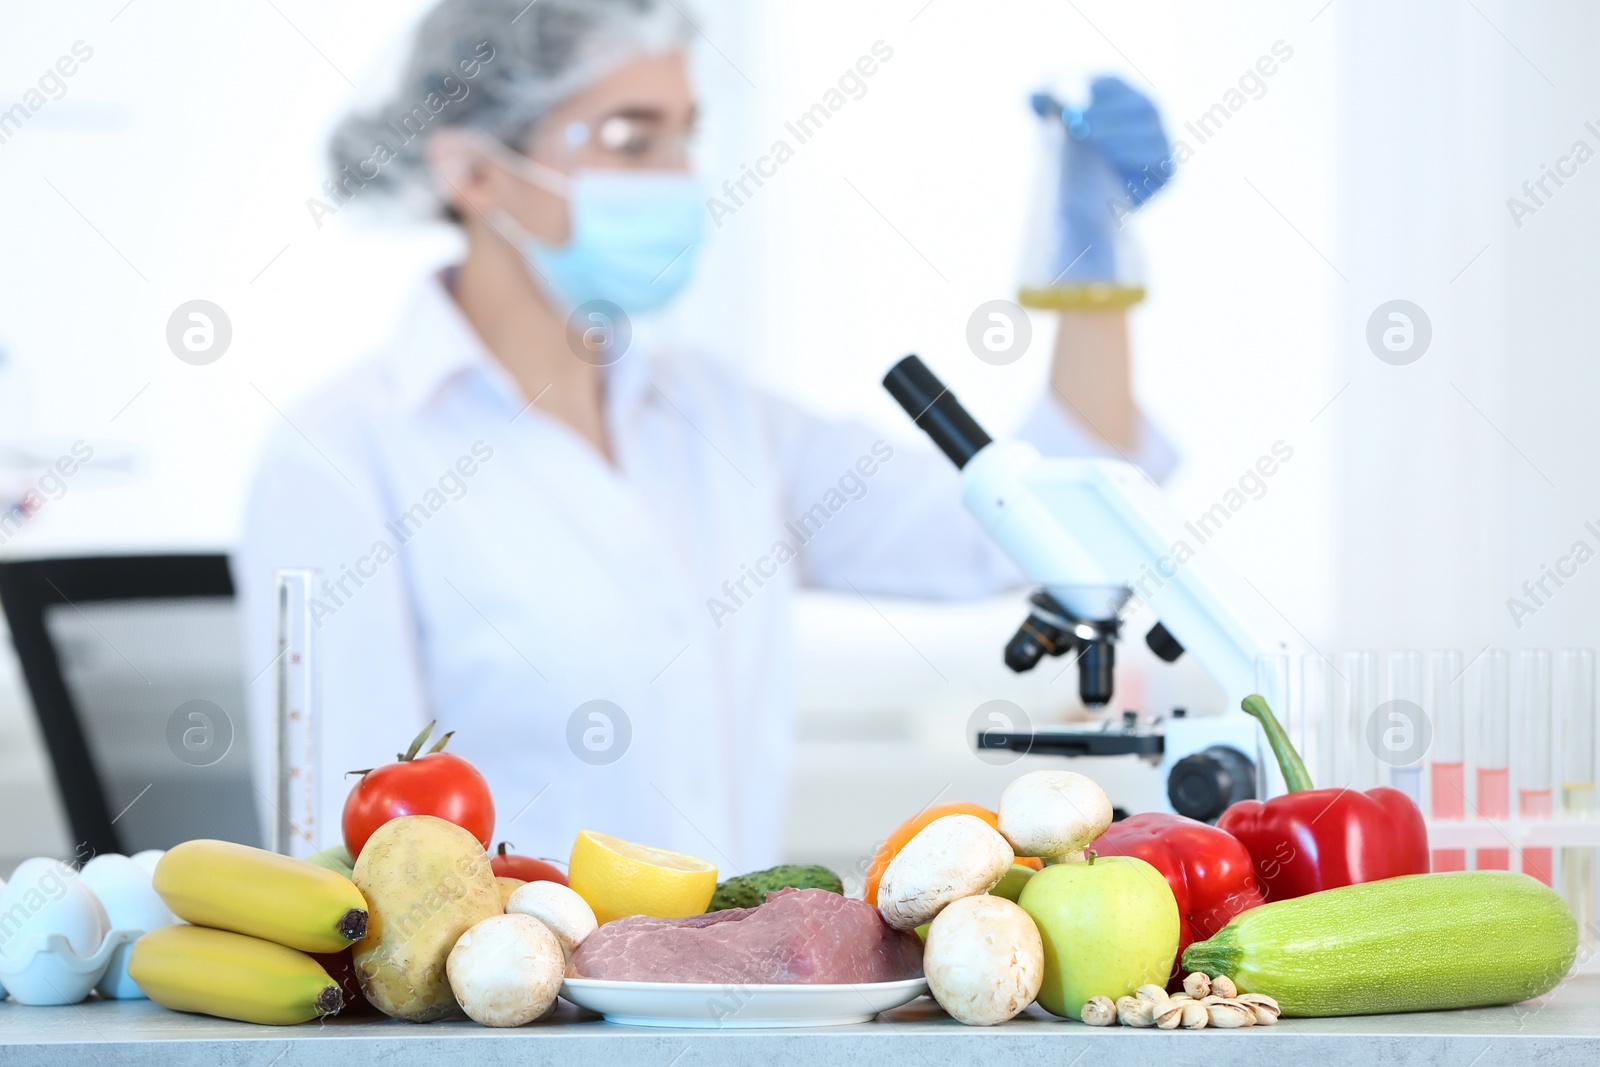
{"points": [[1092, 534]]}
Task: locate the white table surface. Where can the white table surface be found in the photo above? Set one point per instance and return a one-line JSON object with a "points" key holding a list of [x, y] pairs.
{"points": [[1561, 1028]]}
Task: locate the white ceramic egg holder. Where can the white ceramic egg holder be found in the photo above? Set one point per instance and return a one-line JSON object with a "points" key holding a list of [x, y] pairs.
{"points": [[44, 968]]}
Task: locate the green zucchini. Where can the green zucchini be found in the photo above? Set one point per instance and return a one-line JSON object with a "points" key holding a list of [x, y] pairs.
{"points": [[1420, 942]]}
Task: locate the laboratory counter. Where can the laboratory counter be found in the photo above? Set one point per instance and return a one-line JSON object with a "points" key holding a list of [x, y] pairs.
{"points": [[1558, 1029]]}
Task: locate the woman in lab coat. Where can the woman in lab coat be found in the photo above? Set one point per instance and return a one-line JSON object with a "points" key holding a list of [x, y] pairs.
{"points": [[581, 558]]}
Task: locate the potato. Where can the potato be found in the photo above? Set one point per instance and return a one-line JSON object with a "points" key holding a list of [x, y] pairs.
{"points": [[427, 881]]}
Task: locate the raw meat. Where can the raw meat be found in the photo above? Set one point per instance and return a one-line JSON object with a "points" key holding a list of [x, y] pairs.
{"points": [[799, 936]]}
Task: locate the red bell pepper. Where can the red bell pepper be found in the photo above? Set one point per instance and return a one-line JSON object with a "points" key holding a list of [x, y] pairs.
{"points": [[1209, 871], [1315, 839]]}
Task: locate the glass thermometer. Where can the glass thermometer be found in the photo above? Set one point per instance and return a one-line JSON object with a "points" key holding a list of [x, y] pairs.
{"points": [[296, 756]]}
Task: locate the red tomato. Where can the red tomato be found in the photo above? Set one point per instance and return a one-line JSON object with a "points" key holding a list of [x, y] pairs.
{"points": [[441, 784], [506, 865]]}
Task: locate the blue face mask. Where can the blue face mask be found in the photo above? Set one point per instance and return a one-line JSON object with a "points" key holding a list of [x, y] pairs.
{"points": [[635, 237]]}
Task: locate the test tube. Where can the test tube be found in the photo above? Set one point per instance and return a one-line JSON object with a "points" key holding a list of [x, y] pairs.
{"points": [[1272, 682], [296, 755], [1400, 748], [1447, 755], [1577, 783], [1361, 701], [1321, 724], [1533, 754], [1494, 750]]}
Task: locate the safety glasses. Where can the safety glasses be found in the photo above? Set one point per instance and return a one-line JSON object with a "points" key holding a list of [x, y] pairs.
{"points": [[633, 139]]}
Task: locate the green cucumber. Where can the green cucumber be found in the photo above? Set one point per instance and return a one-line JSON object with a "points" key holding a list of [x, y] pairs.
{"points": [[749, 890], [1420, 942]]}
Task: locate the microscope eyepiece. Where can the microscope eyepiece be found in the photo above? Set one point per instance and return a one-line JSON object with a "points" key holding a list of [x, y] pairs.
{"points": [[1049, 629], [935, 409]]}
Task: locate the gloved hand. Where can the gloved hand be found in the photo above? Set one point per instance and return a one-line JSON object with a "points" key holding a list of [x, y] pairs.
{"points": [[1125, 128], [1116, 156]]}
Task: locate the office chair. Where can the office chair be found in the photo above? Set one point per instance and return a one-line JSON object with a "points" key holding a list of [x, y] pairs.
{"points": [[134, 667]]}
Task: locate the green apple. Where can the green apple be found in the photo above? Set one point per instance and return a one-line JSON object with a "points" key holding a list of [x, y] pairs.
{"points": [[1010, 885], [1109, 925], [335, 858]]}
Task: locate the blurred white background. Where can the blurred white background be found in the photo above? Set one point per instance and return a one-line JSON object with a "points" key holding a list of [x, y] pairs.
{"points": [[1376, 165]]}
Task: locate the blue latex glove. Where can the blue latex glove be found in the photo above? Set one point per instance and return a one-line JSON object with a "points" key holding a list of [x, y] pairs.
{"points": [[1114, 152], [1125, 128]]}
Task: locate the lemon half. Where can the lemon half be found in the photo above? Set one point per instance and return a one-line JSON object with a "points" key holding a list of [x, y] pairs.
{"points": [[618, 878]]}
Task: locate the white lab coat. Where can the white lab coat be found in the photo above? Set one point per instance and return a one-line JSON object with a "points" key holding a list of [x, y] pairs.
{"points": [[486, 568]]}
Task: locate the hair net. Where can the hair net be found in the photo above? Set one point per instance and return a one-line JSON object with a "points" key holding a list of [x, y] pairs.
{"points": [[496, 66]]}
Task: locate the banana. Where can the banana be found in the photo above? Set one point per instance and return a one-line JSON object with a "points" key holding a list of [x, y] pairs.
{"points": [[252, 891], [232, 976]]}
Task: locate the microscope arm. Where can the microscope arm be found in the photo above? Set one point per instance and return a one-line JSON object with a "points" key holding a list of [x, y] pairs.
{"points": [[1094, 533]]}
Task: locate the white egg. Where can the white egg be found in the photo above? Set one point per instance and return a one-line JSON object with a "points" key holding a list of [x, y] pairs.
{"points": [[148, 859], [43, 897], [124, 890]]}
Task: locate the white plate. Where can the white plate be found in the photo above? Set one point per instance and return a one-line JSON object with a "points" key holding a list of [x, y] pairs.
{"points": [[738, 1006]]}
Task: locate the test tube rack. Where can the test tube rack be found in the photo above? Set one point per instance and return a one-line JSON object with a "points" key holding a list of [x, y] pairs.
{"points": [[1327, 715]]}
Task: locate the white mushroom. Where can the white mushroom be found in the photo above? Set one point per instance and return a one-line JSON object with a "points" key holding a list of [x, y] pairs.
{"points": [[1053, 814], [567, 914], [953, 857], [506, 970], [984, 960]]}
